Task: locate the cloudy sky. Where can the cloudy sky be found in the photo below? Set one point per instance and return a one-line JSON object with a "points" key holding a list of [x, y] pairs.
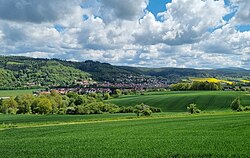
{"points": [[151, 33]]}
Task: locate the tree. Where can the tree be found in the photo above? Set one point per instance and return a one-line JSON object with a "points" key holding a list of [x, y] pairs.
{"points": [[9, 106], [235, 105], [24, 103], [142, 109], [193, 109], [42, 106]]}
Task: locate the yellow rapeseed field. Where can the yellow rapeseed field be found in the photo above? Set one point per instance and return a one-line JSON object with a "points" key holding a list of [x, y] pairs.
{"points": [[212, 80]]}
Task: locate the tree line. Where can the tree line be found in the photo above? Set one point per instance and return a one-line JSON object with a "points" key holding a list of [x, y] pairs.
{"points": [[72, 103], [196, 86]]}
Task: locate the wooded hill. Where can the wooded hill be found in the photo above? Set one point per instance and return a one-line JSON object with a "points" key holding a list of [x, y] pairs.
{"points": [[24, 71], [29, 72]]}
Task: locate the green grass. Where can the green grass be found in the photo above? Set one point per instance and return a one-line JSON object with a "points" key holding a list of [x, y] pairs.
{"points": [[215, 135], [24, 120], [178, 101], [13, 93]]}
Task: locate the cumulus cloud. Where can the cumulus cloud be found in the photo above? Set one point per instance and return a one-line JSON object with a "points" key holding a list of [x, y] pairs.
{"points": [[185, 21], [243, 11], [128, 10], [188, 34], [35, 11]]}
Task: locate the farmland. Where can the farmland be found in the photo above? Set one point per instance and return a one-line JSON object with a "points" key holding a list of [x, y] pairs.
{"points": [[205, 135], [178, 101], [212, 80], [10, 93], [216, 132]]}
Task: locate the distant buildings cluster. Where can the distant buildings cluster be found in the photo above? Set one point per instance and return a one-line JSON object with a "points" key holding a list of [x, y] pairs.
{"points": [[105, 87]]}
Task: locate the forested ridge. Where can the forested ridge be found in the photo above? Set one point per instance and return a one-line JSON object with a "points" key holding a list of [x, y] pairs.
{"points": [[20, 72], [29, 72]]}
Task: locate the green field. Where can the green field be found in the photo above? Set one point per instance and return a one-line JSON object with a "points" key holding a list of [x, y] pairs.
{"points": [[183, 135], [13, 93], [178, 101]]}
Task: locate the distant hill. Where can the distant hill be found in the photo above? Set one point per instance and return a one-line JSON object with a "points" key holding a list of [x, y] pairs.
{"points": [[18, 71], [30, 72], [106, 72], [175, 74]]}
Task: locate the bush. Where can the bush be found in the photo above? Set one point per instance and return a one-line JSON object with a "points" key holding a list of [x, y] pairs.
{"points": [[155, 110], [193, 109], [146, 112], [142, 109], [106, 96], [247, 108], [62, 111], [235, 105], [70, 110]]}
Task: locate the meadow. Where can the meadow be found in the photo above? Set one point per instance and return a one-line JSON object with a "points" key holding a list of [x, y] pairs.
{"points": [[204, 135], [178, 101], [13, 93]]}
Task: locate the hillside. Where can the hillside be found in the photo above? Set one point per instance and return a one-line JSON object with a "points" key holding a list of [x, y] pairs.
{"points": [[24, 71], [106, 72], [178, 101], [29, 72], [175, 74]]}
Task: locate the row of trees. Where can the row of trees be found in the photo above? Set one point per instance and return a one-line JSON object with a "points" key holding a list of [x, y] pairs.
{"points": [[71, 103], [196, 86]]}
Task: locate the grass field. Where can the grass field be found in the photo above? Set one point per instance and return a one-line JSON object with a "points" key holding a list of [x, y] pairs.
{"points": [[12, 93], [178, 101], [205, 135]]}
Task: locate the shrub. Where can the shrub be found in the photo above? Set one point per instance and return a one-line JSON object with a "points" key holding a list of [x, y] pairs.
{"points": [[106, 96], [142, 109], [247, 108], [146, 112], [155, 110], [70, 110], [193, 109], [62, 111], [235, 105]]}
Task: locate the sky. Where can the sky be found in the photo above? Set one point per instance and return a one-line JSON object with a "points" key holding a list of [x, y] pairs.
{"points": [[145, 33]]}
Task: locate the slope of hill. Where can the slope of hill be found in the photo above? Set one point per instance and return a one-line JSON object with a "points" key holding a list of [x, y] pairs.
{"points": [[178, 101], [106, 72], [22, 72], [176, 74]]}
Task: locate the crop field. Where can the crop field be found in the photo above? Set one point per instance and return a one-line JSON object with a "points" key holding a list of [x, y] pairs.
{"points": [[245, 81], [204, 135], [212, 80], [178, 101], [11, 93], [24, 120]]}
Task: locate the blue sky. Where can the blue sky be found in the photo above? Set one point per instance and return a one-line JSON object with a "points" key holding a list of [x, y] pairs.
{"points": [[157, 6], [197, 34]]}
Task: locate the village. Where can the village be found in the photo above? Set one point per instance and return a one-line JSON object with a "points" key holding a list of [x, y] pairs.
{"points": [[86, 87]]}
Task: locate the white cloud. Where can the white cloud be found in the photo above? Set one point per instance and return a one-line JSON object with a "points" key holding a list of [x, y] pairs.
{"points": [[36, 11], [124, 33], [126, 10], [242, 16], [185, 21]]}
